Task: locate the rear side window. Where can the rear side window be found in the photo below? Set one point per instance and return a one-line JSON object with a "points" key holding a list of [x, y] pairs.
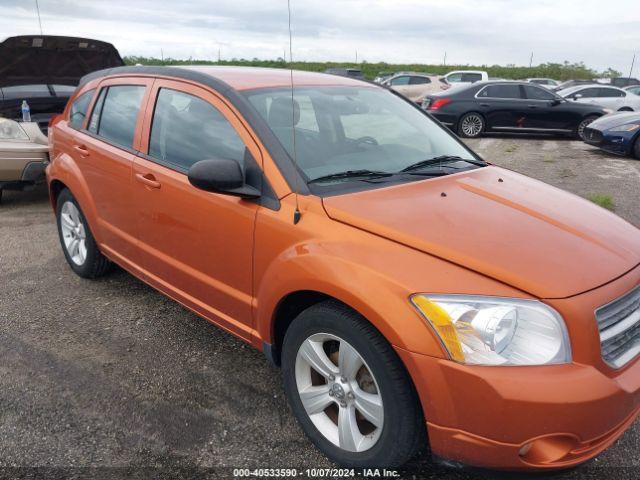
{"points": [[26, 91], [419, 80], [611, 93], [536, 93], [79, 109], [501, 91], [187, 129], [118, 114]]}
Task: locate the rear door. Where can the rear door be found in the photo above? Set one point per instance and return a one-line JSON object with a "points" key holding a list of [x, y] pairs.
{"points": [[196, 246], [611, 98], [502, 105], [105, 151]]}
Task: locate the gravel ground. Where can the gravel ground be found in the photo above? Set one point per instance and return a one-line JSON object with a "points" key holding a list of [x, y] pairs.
{"points": [[108, 378]]}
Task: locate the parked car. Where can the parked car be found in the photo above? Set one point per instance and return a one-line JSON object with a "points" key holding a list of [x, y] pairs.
{"points": [[544, 82], [510, 107], [624, 82], [613, 98], [462, 301], [43, 71], [617, 133], [414, 86], [572, 83], [459, 78], [635, 89], [382, 76], [346, 72]]}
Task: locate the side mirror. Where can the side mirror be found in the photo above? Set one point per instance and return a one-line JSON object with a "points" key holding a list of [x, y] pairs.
{"points": [[221, 175], [556, 101], [577, 96]]}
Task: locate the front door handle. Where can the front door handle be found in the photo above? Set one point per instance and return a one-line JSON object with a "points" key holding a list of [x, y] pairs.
{"points": [[148, 179], [82, 150]]}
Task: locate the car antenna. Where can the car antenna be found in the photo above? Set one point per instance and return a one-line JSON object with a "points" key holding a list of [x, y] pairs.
{"points": [[296, 213]]}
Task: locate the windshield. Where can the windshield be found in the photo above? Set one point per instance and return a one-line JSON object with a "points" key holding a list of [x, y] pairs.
{"points": [[340, 129]]}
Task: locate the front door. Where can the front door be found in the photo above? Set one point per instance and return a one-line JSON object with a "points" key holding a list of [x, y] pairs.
{"points": [[502, 106], [196, 246]]}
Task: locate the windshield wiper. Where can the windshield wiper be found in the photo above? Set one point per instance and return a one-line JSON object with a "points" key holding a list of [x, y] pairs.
{"points": [[429, 162], [351, 174]]}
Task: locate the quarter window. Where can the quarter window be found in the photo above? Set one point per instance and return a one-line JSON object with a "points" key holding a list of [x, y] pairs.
{"points": [[79, 109], [501, 91], [116, 114], [187, 129], [471, 77]]}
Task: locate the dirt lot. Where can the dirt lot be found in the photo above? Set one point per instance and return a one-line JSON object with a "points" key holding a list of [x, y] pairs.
{"points": [[109, 377]]}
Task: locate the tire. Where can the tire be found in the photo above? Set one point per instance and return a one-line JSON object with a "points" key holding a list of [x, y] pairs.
{"points": [[400, 429], [581, 126], [471, 125], [636, 148], [78, 245]]}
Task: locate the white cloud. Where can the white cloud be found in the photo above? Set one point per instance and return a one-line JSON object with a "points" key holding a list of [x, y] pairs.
{"points": [[470, 31]]}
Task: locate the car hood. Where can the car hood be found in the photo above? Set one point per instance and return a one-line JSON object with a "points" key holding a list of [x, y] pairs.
{"points": [[522, 232], [615, 120], [29, 60]]}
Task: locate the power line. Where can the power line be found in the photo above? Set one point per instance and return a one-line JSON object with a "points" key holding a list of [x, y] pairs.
{"points": [[39, 21]]}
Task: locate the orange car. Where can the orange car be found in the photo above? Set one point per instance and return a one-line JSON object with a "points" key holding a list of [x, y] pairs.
{"points": [[408, 289]]}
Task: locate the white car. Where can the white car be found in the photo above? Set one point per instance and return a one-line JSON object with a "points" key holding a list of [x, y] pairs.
{"points": [[414, 86], [544, 82], [635, 89], [465, 77], [606, 96]]}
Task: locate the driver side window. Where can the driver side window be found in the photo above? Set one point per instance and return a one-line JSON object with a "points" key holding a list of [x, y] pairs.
{"points": [[187, 129]]}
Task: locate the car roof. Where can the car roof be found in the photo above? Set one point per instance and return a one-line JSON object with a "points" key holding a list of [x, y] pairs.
{"points": [[238, 78]]}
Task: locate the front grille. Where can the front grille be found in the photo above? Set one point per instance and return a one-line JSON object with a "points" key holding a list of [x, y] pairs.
{"points": [[592, 135], [619, 325]]}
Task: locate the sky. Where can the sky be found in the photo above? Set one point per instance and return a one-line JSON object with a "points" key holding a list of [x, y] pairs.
{"points": [[600, 34]]}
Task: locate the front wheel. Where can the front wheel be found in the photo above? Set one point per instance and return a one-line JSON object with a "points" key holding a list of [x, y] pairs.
{"points": [[349, 390], [471, 125], [583, 124]]}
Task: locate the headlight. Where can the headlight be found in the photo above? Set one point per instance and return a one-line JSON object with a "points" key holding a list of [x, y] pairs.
{"points": [[11, 130], [496, 331], [625, 128]]}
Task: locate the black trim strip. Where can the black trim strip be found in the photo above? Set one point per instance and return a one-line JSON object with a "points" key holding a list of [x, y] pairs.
{"points": [[284, 163]]}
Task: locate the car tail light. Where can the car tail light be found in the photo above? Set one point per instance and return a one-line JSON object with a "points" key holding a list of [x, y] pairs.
{"points": [[439, 103]]}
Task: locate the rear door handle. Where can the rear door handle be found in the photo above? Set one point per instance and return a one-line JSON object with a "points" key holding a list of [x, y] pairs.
{"points": [[148, 179], [485, 105], [82, 150]]}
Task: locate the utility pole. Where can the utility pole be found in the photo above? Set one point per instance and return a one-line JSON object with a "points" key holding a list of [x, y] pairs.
{"points": [[356, 57], [219, 54], [162, 56], [632, 63], [531, 60], [39, 21], [444, 62]]}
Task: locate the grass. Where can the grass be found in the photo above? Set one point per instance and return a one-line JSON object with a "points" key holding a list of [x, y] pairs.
{"points": [[548, 159], [605, 201], [511, 149]]}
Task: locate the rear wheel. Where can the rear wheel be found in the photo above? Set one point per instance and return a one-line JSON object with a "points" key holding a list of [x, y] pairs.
{"points": [[349, 390], [78, 245], [583, 124], [471, 125]]}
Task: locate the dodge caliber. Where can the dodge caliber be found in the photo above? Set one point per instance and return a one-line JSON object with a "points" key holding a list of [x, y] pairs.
{"points": [[410, 291]]}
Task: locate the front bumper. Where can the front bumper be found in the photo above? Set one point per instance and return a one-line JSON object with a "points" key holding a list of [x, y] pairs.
{"points": [[619, 143], [520, 418]]}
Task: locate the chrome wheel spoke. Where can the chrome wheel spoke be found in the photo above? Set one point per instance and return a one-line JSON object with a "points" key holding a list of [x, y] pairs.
{"points": [[73, 233], [312, 352], [370, 406], [315, 399], [349, 435], [67, 221], [349, 361]]}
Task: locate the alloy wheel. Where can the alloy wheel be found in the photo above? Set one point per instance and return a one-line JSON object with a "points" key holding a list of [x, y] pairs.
{"points": [[339, 392], [472, 125], [73, 233]]}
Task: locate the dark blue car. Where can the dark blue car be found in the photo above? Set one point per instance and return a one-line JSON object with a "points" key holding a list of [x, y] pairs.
{"points": [[616, 133]]}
